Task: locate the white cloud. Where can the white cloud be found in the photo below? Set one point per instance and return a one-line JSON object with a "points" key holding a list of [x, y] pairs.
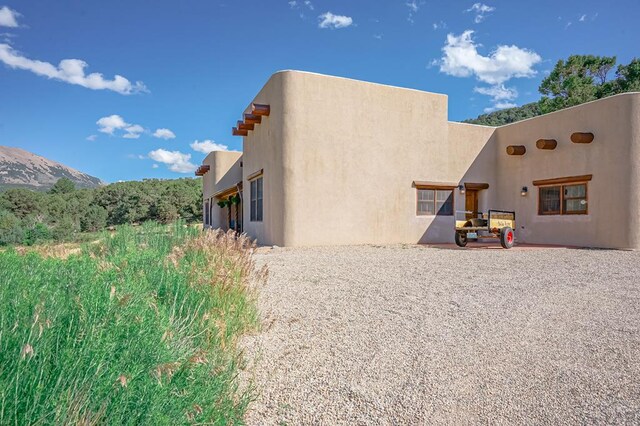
{"points": [[154, 166], [207, 146], [115, 122], [329, 20], [413, 7], [70, 71], [461, 59], [176, 160], [439, 25], [301, 5], [498, 92], [583, 18], [480, 9], [8, 17], [378, 36], [500, 95], [92, 138], [500, 105], [164, 134], [133, 131], [109, 124]]}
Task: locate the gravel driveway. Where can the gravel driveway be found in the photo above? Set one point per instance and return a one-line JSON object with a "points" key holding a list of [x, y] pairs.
{"points": [[419, 335]]}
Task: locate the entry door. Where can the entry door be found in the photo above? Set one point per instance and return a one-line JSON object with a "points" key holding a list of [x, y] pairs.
{"points": [[471, 203]]}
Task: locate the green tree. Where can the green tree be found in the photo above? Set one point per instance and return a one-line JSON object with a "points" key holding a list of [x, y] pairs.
{"points": [[63, 186], [64, 229], [628, 77], [506, 116], [579, 79], [166, 211], [11, 231], [22, 202], [38, 233], [56, 207], [93, 219], [64, 211]]}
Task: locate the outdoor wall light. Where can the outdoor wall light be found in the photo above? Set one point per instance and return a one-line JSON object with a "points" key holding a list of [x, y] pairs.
{"points": [[461, 188], [524, 191]]}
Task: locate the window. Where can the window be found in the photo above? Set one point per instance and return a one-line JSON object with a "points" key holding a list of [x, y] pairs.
{"points": [[256, 200], [563, 199], [435, 202], [550, 200]]}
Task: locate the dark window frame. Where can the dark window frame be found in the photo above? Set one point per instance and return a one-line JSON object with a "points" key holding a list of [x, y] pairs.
{"points": [[256, 199], [562, 211]]}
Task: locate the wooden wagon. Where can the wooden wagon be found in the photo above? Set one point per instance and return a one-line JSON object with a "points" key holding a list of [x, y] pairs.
{"points": [[494, 224]]}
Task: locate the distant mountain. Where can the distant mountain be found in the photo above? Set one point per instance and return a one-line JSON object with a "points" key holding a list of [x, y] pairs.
{"points": [[23, 169]]}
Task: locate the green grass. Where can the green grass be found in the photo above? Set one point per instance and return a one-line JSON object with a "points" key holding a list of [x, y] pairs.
{"points": [[139, 328]]}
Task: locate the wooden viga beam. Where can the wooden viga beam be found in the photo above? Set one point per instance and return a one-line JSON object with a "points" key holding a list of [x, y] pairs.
{"points": [[582, 137], [546, 144], [252, 119], [260, 109], [245, 126], [237, 132], [516, 150], [202, 170]]}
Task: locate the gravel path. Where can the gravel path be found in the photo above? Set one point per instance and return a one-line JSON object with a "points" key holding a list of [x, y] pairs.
{"points": [[418, 335]]}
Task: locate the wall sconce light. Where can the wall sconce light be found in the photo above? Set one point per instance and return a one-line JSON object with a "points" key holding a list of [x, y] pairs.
{"points": [[461, 188], [524, 191]]}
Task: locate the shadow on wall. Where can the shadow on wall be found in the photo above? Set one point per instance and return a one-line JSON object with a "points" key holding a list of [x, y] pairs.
{"points": [[482, 170]]}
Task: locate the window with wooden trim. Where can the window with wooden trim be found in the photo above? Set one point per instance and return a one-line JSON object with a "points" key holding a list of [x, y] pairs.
{"points": [[432, 201], [569, 198], [256, 200]]}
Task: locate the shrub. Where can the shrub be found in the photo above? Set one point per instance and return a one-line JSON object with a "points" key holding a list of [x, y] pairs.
{"points": [[38, 233], [11, 231]]}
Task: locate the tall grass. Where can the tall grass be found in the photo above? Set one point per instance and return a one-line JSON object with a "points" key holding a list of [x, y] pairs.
{"points": [[138, 328]]}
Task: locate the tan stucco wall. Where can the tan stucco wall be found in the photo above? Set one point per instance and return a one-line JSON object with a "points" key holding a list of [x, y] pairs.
{"points": [[339, 158], [265, 149], [633, 187], [612, 158], [351, 153], [474, 154], [224, 172]]}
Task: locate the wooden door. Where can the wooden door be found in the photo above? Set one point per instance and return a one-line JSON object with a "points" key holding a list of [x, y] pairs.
{"points": [[471, 203]]}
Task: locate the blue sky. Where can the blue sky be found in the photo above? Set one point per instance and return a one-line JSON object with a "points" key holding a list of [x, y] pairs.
{"points": [[188, 68]]}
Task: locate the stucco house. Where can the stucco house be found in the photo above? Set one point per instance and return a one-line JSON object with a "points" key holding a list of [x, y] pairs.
{"points": [[330, 160]]}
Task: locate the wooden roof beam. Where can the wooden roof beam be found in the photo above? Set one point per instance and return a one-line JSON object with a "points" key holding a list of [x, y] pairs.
{"points": [[202, 170], [546, 144], [260, 109], [252, 119], [245, 126], [516, 150], [237, 132], [582, 137]]}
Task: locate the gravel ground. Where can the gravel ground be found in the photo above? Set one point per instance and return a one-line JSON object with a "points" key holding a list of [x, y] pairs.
{"points": [[419, 335]]}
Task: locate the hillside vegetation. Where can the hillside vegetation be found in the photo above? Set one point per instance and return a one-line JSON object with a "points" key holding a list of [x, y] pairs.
{"points": [[137, 328], [579, 79], [64, 212]]}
